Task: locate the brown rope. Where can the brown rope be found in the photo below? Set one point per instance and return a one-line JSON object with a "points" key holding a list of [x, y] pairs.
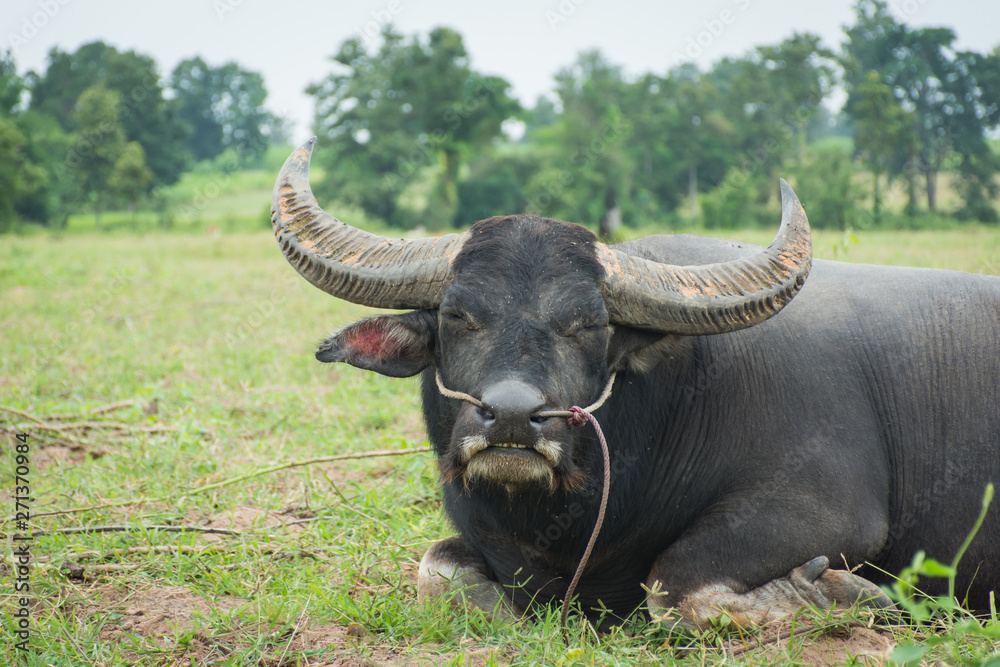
{"points": [[575, 416], [457, 395], [574, 413], [585, 416]]}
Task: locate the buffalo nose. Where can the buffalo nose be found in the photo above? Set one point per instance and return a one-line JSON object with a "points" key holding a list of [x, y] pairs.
{"points": [[507, 412]]}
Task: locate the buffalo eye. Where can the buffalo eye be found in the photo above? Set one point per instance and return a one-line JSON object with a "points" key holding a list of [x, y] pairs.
{"points": [[459, 319], [583, 328]]}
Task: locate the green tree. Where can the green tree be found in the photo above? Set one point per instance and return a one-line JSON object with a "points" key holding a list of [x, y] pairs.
{"points": [[951, 95], [977, 88], [11, 84], [700, 133], [770, 96], [586, 174], [881, 127], [495, 183], [144, 114], [130, 176], [18, 175], [195, 94], [415, 107], [871, 44], [97, 143], [223, 108], [825, 185], [658, 170], [46, 146], [801, 72]]}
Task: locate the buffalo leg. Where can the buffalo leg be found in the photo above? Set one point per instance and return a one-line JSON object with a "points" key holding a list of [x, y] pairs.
{"points": [[813, 583], [453, 569], [753, 557]]}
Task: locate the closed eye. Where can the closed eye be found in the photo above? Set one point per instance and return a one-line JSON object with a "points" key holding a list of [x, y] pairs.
{"points": [[460, 319], [580, 329]]}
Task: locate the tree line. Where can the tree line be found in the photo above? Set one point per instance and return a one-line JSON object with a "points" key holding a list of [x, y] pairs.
{"points": [[418, 137], [415, 136], [102, 128]]}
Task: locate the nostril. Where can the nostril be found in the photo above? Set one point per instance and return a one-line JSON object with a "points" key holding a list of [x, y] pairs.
{"points": [[485, 414], [539, 420]]}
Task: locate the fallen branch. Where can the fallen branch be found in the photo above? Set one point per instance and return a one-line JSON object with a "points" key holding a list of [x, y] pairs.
{"points": [[100, 410], [79, 572], [125, 528], [53, 437], [234, 480], [77, 510], [297, 522], [306, 462], [158, 549], [95, 426], [276, 550], [15, 411]]}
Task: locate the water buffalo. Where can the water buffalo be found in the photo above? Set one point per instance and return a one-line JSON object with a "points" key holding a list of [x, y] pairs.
{"points": [[748, 451]]}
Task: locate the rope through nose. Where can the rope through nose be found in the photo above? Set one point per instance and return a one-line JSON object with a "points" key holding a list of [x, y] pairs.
{"points": [[585, 416], [575, 416]]}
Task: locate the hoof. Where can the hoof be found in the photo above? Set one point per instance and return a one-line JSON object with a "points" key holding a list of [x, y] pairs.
{"points": [[828, 588]]}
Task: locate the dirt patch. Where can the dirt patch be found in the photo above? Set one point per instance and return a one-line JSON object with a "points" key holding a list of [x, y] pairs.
{"points": [[161, 613], [52, 452], [180, 626], [170, 625], [851, 643], [189, 628], [242, 517], [57, 453]]}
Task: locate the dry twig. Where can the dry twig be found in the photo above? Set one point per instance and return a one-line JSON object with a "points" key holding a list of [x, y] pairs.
{"points": [[234, 480], [100, 410], [125, 528]]}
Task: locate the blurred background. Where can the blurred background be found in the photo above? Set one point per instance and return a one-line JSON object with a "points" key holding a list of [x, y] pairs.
{"points": [[158, 349], [623, 116]]}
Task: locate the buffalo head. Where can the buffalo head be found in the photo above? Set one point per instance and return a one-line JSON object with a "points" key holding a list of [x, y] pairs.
{"points": [[527, 314]]}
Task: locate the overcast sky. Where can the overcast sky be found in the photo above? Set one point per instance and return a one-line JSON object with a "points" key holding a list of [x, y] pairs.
{"points": [[524, 41]]}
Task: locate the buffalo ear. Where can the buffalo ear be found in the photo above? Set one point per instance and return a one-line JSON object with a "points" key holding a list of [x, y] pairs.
{"points": [[637, 349], [394, 345]]}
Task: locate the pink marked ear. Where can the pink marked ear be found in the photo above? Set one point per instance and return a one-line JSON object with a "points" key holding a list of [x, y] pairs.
{"points": [[393, 345], [376, 339]]}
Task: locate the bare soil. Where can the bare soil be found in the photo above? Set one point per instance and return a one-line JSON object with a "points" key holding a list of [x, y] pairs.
{"points": [[184, 627], [852, 643], [181, 626]]}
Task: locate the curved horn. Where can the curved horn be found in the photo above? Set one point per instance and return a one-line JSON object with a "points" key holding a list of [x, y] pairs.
{"points": [[349, 263], [713, 298]]}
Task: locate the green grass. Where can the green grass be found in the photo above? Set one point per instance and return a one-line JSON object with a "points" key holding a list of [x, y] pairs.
{"points": [[211, 339]]}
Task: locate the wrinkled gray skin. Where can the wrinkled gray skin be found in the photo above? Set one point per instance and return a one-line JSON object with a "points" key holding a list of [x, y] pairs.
{"points": [[858, 425]]}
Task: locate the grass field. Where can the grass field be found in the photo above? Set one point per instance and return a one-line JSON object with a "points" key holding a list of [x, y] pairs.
{"points": [[162, 377]]}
